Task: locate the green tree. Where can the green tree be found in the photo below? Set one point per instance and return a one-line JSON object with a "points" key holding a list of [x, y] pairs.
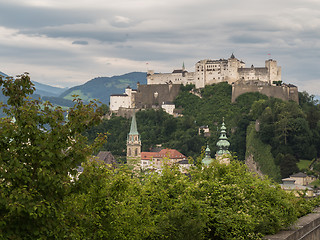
{"points": [[39, 152]]}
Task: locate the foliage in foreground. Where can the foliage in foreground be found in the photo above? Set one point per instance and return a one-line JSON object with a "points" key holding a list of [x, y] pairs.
{"points": [[218, 202], [39, 149]]}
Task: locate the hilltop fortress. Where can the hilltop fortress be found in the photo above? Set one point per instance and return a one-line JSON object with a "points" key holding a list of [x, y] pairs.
{"points": [[162, 88], [208, 72]]}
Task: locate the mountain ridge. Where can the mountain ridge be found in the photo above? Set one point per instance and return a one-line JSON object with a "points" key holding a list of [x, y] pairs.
{"points": [[101, 88]]}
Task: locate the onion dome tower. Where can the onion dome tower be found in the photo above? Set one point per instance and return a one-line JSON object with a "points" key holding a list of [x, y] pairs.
{"points": [[207, 159], [223, 143]]}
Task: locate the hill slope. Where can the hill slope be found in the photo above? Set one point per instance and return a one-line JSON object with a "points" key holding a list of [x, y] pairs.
{"points": [[46, 90], [102, 87]]}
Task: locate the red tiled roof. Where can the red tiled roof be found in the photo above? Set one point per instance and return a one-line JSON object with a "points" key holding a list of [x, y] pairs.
{"points": [[147, 155], [169, 153]]}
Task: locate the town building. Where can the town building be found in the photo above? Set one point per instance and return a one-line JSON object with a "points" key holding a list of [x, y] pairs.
{"points": [[151, 160], [107, 158], [290, 185], [302, 178], [205, 130]]}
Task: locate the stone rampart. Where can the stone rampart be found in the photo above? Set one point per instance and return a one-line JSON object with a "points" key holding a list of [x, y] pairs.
{"points": [[306, 228], [285, 92], [154, 95]]}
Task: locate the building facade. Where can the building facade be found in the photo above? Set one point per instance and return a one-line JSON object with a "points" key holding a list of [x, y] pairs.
{"points": [[125, 100]]}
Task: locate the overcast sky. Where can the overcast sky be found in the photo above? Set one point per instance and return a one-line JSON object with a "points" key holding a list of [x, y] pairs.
{"points": [[68, 42]]}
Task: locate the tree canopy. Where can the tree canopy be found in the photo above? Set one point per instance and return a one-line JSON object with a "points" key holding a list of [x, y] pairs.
{"points": [[40, 149]]}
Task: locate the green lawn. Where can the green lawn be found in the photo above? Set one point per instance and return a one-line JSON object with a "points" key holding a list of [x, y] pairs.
{"points": [[304, 164], [315, 183]]}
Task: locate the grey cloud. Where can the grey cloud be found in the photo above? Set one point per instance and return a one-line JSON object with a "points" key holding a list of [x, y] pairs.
{"points": [[104, 36], [247, 39], [17, 16], [80, 42], [170, 34]]}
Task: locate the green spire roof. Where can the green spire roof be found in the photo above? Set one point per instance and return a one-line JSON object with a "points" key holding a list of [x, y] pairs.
{"points": [[207, 160], [133, 127], [223, 143], [183, 66]]}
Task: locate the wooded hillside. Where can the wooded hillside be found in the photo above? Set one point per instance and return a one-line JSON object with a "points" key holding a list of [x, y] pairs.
{"points": [[292, 130]]}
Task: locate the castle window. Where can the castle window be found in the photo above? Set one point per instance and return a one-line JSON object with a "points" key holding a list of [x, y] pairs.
{"points": [[136, 152]]}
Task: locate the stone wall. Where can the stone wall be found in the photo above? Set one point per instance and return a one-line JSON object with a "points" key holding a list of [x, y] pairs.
{"points": [[284, 92], [148, 96], [306, 228]]}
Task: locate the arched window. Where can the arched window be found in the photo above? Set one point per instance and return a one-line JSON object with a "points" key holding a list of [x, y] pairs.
{"points": [[129, 151], [136, 152]]}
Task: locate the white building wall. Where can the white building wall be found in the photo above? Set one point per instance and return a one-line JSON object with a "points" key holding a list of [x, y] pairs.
{"points": [[117, 101], [169, 108]]}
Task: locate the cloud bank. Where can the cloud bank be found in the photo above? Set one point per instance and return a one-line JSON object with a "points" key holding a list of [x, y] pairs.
{"points": [[67, 43]]}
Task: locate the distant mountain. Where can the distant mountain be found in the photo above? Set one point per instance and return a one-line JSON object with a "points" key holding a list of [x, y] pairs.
{"points": [[102, 87], [46, 90]]}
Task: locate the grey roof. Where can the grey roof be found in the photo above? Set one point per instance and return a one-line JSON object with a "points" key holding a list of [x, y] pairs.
{"points": [[107, 158], [119, 95], [179, 71], [186, 161], [299, 174]]}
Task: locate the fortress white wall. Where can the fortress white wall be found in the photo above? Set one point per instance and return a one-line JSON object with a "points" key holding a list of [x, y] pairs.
{"points": [[208, 72], [126, 100]]}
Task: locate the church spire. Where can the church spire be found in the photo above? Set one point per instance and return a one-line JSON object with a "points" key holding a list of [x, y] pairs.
{"points": [[133, 141], [183, 67], [133, 127], [223, 143]]}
